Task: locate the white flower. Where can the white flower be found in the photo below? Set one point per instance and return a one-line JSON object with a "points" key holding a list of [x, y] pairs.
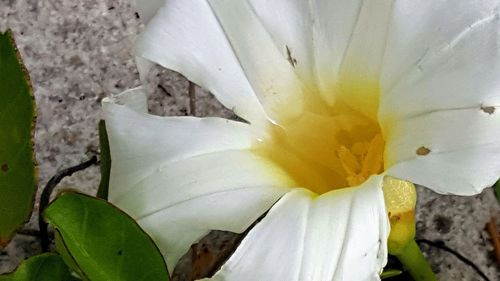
{"points": [[338, 94]]}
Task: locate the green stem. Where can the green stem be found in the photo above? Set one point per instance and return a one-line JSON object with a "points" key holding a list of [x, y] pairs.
{"points": [[416, 264]]}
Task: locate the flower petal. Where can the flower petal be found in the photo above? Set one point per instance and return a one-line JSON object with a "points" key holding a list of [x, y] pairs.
{"points": [[151, 140], [317, 36], [340, 235], [179, 176], [440, 95], [182, 201], [185, 36], [451, 151], [264, 63], [362, 61], [224, 60], [288, 23], [310, 46], [453, 62], [335, 22]]}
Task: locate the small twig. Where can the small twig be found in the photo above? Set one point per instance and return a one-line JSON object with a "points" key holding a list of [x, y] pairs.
{"points": [[442, 246], [47, 191], [491, 227], [192, 104]]}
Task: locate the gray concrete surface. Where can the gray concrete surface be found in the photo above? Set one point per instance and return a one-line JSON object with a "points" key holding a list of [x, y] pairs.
{"points": [[78, 52]]}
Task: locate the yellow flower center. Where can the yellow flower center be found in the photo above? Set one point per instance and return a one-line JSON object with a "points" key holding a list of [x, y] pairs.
{"points": [[330, 147]]}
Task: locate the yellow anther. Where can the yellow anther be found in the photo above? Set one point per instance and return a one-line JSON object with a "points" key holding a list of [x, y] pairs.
{"points": [[360, 148], [362, 160], [349, 162], [372, 163]]}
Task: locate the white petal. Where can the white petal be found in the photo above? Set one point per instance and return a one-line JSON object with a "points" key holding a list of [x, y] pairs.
{"points": [[143, 66], [334, 25], [147, 8], [182, 201], [441, 90], [361, 64], [185, 36], [465, 172], [321, 39], [452, 62], [264, 63], [151, 140], [326, 42], [340, 235], [289, 24], [180, 176], [275, 51], [463, 144]]}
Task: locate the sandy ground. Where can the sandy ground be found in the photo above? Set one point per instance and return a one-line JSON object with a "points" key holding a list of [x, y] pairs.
{"points": [[81, 51]]}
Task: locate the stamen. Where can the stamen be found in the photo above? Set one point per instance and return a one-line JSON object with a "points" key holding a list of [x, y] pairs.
{"points": [[362, 160], [360, 149], [372, 164], [349, 162]]}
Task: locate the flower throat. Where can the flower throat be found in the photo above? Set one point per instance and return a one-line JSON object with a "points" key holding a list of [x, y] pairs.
{"points": [[329, 148]]}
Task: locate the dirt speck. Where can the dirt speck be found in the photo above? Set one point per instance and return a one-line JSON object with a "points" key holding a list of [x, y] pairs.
{"points": [[488, 109], [422, 151]]}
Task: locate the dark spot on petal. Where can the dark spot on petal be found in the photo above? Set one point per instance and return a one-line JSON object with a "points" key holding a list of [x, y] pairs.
{"points": [[5, 167], [137, 15], [290, 59], [488, 109], [423, 151]]}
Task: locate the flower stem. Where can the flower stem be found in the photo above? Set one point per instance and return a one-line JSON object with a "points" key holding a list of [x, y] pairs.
{"points": [[416, 264]]}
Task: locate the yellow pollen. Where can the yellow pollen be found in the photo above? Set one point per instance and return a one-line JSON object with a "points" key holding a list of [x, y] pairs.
{"points": [[330, 147]]}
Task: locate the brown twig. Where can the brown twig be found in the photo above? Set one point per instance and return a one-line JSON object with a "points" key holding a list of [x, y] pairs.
{"points": [[491, 227], [45, 197], [441, 245]]}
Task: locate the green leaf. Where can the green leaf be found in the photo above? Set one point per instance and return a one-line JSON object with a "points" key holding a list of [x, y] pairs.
{"points": [[66, 256], [103, 242], [390, 273], [105, 161], [44, 267], [17, 119]]}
